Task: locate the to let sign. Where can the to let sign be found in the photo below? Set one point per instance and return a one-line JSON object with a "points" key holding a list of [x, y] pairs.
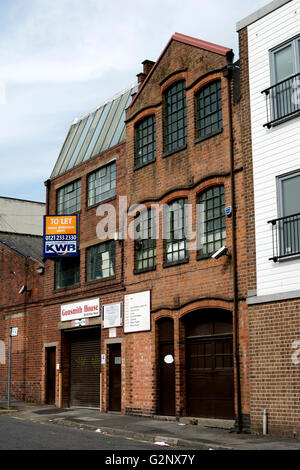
{"points": [[60, 236], [80, 310]]}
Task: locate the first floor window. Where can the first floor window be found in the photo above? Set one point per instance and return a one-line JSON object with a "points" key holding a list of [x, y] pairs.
{"points": [[289, 212], [175, 230], [145, 244], [69, 198], [211, 221], [67, 272], [101, 261]]}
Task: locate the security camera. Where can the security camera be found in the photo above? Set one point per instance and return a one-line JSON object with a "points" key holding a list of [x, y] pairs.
{"points": [[222, 251], [22, 290]]}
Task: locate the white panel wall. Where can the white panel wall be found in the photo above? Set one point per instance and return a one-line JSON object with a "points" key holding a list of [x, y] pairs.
{"points": [[275, 151]]}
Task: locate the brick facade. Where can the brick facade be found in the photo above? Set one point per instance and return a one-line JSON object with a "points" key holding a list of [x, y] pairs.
{"points": [[23, 311], [199, 284]]}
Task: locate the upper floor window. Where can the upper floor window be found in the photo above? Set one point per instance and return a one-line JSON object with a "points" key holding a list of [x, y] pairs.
{"points": [[285, 60], [69, 198], [286, 228], [145, 141], [211, 221], [282, 96], [145, 244], [209, 110], [102, 184], [175, 130], [67, 272], [100, 261], [175, 231]]}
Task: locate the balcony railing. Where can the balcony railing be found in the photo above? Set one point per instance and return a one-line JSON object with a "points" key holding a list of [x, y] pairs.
{"points": [[286, 236], [282, 100]]}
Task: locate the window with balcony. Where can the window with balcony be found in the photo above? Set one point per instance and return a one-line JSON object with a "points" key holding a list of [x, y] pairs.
{"points": [[175, 130], [282, 98], [209, 110], [69, 198], [145, 141], [145, 244], [102, 184], [211, 221], [175, 231], [67, 272], [286, 228], [101, 261]]}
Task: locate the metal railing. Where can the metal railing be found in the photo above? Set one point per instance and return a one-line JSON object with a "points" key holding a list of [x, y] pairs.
{"points": [[282, 100], [285, 236]]}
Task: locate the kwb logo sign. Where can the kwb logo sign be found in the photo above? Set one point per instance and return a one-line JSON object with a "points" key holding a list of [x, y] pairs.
{"points": [[60, 236]]}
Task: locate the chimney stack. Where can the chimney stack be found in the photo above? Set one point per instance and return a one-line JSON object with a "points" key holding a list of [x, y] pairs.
{"points": [[147, 66], [141, 77]]}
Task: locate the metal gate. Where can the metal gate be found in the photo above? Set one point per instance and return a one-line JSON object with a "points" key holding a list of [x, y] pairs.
{"points": [[85, 368]]}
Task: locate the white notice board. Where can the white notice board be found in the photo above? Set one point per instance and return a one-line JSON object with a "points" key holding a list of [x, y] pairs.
{"points": [[112, 315], [137, 312]]}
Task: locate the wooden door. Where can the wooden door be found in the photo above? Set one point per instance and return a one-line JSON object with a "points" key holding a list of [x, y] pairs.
{"points": [[115, 362], [209, 360], [166, 367]]}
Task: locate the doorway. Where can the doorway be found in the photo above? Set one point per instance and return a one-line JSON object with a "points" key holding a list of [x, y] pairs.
{"points": [[115, 363], [51, 375], [209, 359], [85, 368], [166, 367]]}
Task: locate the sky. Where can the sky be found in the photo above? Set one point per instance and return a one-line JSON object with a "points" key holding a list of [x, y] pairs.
{"points": [[61, 58]]}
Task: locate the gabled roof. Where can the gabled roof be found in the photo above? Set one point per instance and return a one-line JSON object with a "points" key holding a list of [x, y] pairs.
{"points": [[95, 132], [207, 46]]}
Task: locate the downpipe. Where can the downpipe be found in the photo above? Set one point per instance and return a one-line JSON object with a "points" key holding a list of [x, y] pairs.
{"points": [[227, 73]]}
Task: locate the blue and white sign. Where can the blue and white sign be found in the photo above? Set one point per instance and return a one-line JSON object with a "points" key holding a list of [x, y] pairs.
{"points": [[60, 236]]}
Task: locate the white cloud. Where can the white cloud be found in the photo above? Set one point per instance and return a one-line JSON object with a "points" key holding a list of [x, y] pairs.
{"points": [[75, 40]]}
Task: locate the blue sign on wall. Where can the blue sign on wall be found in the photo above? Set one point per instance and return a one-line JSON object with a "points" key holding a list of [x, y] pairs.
{"points": [[60, 236]]}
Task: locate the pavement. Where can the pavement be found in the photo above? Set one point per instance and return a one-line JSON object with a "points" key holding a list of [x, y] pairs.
{"points": [[181, 434]]}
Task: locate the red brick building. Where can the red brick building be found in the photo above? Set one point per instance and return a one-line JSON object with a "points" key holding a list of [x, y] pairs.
{"points": [[21, 267], [174, 336], [183, 144]]}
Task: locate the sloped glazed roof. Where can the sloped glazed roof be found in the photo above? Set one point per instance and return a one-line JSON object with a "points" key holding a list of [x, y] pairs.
{"points": [[95, 132]]}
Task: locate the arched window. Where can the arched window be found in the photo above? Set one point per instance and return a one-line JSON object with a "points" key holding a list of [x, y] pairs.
{"points": [[211, 221], [175, 132], [209, 110]]}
